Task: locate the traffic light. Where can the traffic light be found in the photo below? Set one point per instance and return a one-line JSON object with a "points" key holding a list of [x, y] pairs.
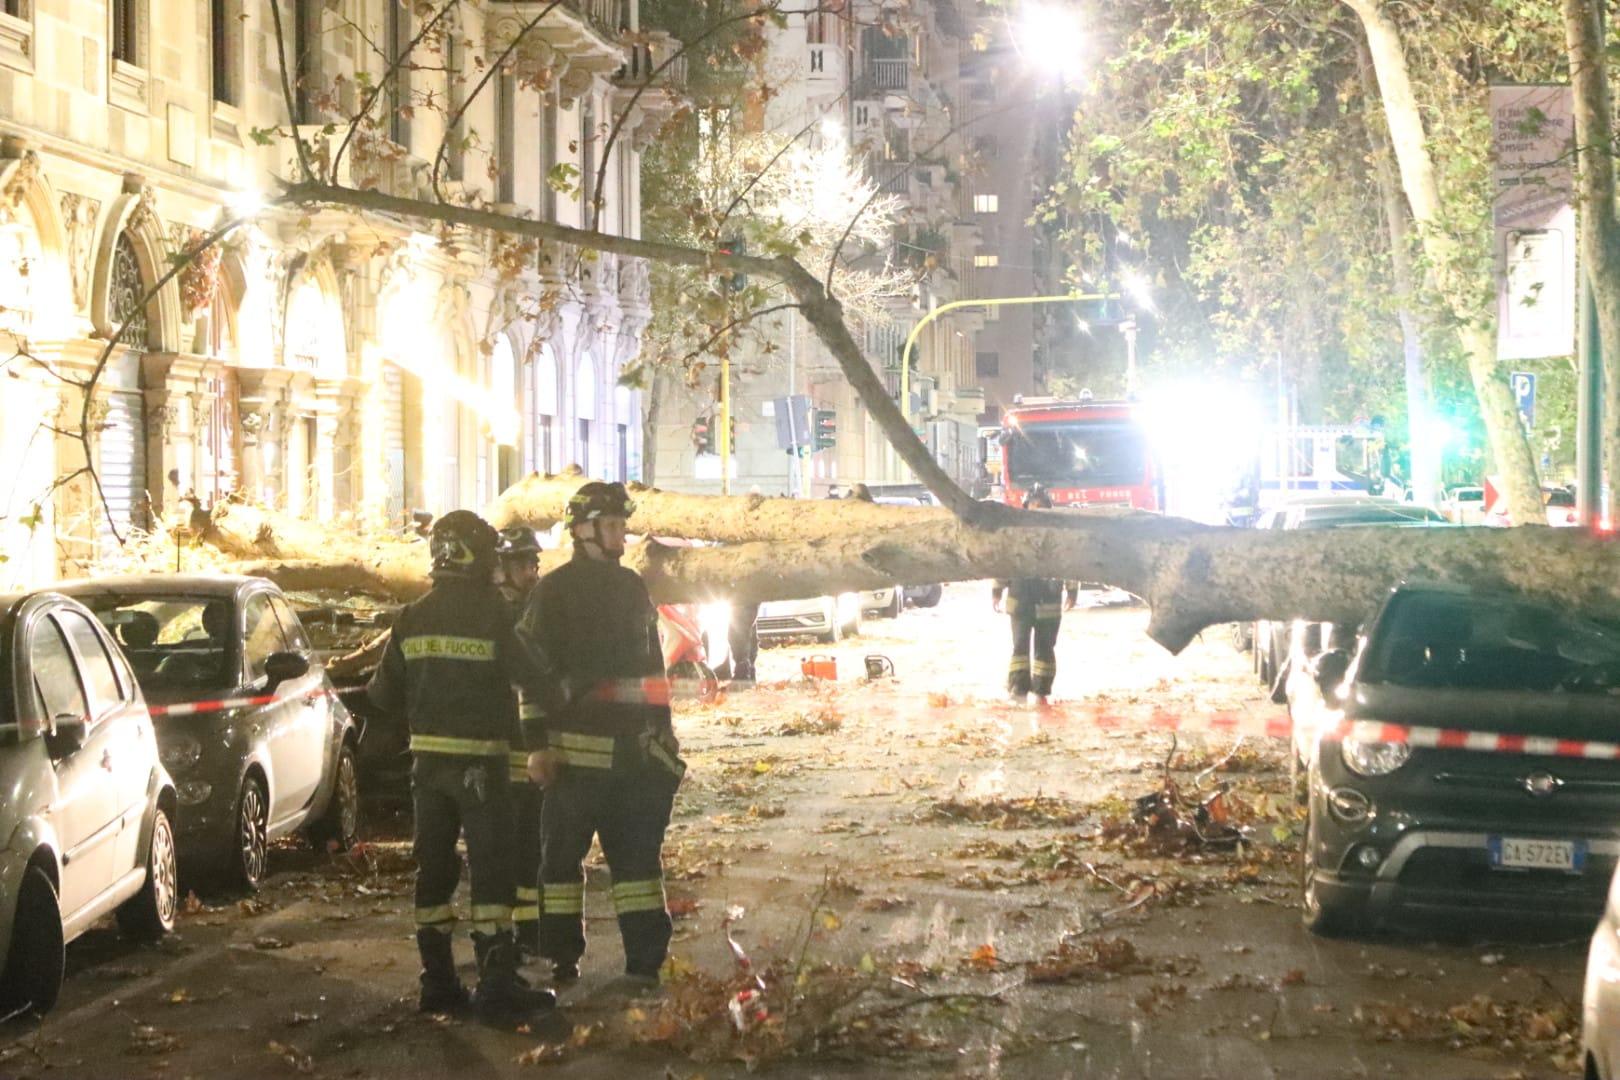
{"points": [[826, 429], [731, 432], [735, 281], [703, 434]]}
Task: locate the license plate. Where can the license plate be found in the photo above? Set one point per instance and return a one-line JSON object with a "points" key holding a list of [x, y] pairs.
{"points": [[1516, 853]]}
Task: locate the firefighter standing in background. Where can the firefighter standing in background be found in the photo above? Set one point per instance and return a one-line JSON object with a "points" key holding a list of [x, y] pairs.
{"points": [[519, 553], [449, 670], [611, 764], [1035, 608]]}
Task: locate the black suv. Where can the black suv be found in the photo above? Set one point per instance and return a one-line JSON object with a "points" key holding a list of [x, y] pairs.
{"points": [[1517, 823]]}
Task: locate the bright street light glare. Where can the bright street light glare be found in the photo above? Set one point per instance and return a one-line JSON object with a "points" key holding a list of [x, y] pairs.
{"points": [[1050, 36], [832, 131], [1140, 289]]}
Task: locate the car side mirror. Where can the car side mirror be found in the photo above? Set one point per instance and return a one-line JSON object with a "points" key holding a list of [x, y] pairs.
{"points": [[285, 666], [1328, 670], [67, 733]]}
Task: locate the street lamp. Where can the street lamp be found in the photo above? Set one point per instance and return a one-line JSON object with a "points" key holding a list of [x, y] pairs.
{"points": [[1049, 36], [999, 301]]}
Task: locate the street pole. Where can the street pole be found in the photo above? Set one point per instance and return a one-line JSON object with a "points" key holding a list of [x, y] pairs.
{"points": [[795, 474], [999, 301], [1589, 486], [725, 423]]}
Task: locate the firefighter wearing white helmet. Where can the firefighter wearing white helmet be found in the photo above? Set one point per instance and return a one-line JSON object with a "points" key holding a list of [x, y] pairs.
{"points": [[611, 763]]}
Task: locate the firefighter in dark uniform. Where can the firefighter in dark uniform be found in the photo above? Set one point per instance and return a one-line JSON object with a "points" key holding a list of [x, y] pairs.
{"points": [[611, 763], [449, 670], [1035, 608], [519, 554]]}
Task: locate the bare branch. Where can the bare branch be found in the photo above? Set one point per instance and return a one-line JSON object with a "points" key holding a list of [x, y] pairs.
{"points": [[304, 164], [381, 85]]}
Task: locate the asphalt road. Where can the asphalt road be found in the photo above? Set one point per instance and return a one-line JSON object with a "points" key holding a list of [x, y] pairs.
{"points": [[926, 880]]}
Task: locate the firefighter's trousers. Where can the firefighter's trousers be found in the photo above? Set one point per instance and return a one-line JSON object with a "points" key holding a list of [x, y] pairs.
{"points": [[1034, 653], [526, 798], [627, 807], [458, 795]]}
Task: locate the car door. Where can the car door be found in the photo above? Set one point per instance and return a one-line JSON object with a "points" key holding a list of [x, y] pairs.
{"points": [[283, 717], [85, 814], [110, 688], [316, 730]]}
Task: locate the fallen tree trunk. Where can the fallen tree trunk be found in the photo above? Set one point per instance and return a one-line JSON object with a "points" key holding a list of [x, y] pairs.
{"points": [[538, 501], [1192, 575]]}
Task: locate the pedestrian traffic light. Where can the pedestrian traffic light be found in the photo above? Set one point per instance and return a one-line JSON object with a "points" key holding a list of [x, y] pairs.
{"points": [[826, 429], [703, 434], [731, 431], [737, 280]]}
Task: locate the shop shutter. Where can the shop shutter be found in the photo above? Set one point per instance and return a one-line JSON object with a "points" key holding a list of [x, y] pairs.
{"points": [[121, 462]]}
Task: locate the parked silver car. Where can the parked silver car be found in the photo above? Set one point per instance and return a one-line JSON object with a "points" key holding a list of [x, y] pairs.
{"points": [[248, 723], [86, 817]]}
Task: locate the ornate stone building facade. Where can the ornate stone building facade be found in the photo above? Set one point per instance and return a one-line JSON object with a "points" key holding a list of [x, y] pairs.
{"points": [[343, 366]]}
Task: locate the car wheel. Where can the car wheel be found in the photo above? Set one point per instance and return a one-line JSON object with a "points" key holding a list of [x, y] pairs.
{"points": [[149, 914], [855, 625], [1321, 916], [834, 632], [897, 603], [37, 957], [931, 596], [252, 838], [340, 824]]}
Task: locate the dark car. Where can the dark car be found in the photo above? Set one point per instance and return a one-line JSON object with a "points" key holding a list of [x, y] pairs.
{"points": [[247, 724], [1416, 825]]}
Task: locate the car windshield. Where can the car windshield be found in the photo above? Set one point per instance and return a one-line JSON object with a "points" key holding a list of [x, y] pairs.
{"points": [[1338, 517], [1469, 495], [1468, 642], [174, 643], [1561, 497], [1078, 454]]}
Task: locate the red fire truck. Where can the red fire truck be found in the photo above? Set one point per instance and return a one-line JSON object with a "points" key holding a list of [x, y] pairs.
{"points": [[1086, 453]]}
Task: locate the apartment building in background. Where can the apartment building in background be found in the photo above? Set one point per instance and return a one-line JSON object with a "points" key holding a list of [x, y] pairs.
{"points": [[891, 82]]}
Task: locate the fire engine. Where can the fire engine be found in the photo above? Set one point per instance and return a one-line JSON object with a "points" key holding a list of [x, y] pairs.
{"points": [[1086, 453]]}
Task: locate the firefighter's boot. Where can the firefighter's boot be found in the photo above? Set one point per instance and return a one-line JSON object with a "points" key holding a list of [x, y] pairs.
{"points": [[500, 995], [441, 990]]}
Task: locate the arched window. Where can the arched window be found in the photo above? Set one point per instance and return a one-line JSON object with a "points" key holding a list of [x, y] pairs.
{"points": [[314, 338], [584, 408], [543, 386], [126, 299], [621, 420]]}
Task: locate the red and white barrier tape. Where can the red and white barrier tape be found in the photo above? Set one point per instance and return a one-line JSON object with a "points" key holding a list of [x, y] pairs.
{"points": [[192, 708], [1483, 741]]}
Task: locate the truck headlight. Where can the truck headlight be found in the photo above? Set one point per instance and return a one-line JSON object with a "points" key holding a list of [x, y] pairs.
{"points": [[179, 752], [1369, 757]]}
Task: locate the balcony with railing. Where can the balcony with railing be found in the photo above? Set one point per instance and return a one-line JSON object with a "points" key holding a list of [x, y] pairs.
{"points": [[888, 74], [657, 61], [607, 17]]}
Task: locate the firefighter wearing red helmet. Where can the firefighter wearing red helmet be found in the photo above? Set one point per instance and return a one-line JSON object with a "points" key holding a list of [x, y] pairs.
{"points": [[449, 669], [1035, 608], [611, 763]]}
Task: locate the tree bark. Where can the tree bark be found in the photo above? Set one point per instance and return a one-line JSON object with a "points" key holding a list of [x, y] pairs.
{"points": [[1600, 229], [649, 427], [1192, 575], [1510, 448], [1425, 478]]}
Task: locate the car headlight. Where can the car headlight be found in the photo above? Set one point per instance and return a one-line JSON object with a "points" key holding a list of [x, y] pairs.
{"points": [[1369, 757], [179, 752]]}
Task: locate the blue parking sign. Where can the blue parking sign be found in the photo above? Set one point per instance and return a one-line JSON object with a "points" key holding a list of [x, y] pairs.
{"points": [[1524, 393]]}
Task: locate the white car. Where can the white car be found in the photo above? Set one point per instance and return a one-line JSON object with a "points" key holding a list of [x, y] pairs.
{"points": [[829, 618], [1465, 505], [87, 813], [1600, 1003]]}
